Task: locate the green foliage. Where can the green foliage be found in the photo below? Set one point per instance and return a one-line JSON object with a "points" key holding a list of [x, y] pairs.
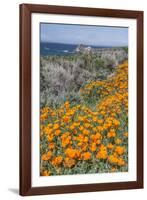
{"points": [[61, 77], [125, 49]]}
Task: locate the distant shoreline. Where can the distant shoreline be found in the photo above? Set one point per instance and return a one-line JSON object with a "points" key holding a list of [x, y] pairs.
{"points": [[51, 49], [76, 44]]}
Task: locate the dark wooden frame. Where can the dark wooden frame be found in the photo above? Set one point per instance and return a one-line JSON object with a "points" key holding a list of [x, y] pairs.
{"points": [[25, 98]]}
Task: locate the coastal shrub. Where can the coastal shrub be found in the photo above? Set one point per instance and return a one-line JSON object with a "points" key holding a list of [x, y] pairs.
{"points": [[62, 76], [88, 134]]}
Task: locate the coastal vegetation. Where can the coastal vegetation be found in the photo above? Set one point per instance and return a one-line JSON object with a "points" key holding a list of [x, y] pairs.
{"points": [[84, 112], [61, 77]]}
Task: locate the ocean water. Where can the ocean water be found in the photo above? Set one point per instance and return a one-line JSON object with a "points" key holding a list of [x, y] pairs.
{"points": [[60, 49], [56, 49]]}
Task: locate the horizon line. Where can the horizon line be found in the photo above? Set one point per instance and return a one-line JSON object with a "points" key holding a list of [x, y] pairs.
{"points": [[85, 44]]}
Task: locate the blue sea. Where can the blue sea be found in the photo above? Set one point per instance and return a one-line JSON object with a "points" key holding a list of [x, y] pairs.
{"points": [[59, 49], [56, 49]]}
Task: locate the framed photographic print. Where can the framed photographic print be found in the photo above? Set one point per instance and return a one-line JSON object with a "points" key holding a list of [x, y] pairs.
{"points": [[81, 99]]}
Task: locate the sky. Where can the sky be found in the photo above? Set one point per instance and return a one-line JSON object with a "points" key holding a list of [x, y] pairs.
{"points": [[83, 34]]}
